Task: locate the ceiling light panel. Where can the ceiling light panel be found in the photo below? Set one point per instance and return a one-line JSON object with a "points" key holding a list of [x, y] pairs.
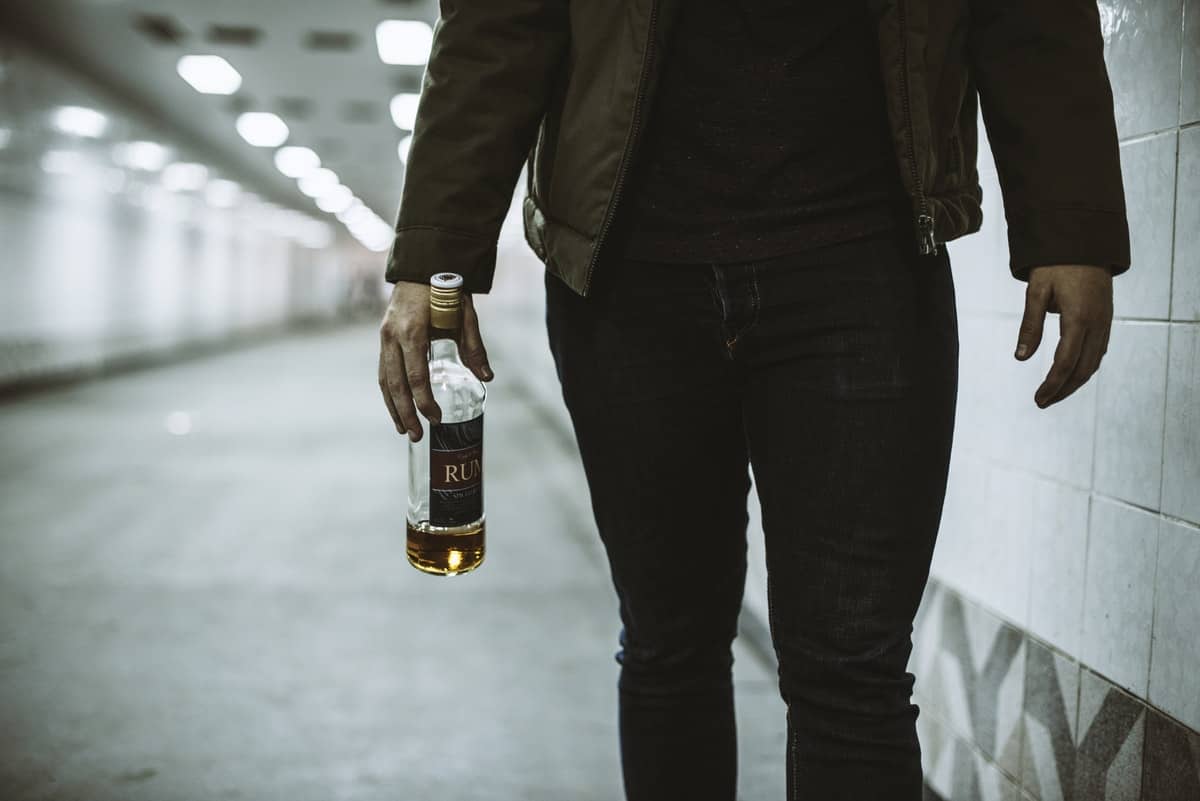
{"points": [[210, 75], [404, 41], [335, 200], [80, 121], [262, 129], [318, 182], [296, 162], [147, 156], [404, 110]]}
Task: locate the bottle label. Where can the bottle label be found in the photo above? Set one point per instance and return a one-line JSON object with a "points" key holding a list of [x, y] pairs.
{"points": [[456, 472]]}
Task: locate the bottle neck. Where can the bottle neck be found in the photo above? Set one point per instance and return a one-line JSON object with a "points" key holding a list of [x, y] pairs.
{"points": [[443, 350], [443, 343], [445, 322]]}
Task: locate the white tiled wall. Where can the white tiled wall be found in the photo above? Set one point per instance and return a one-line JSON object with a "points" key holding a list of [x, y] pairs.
{"points": [[1081, 523]]}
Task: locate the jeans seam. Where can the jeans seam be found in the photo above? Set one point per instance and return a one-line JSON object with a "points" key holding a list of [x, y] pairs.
{"points": [[727, 333], [720, 294], [757, 299]]}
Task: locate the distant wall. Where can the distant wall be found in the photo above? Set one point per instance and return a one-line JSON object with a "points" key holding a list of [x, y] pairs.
{"points": [[100, 263]]}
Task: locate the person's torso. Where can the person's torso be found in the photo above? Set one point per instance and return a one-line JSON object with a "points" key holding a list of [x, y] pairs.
{"points": [[580, 176], [768, 134]]}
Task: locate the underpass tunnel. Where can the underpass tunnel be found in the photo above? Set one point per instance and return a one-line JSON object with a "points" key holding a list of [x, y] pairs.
{"points": [[204, 591]]}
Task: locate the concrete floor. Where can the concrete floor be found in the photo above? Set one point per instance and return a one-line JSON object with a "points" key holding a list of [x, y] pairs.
{"points": [[228, 613]]}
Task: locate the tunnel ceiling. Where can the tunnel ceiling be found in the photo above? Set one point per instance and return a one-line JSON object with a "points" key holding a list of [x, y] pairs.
{"points": [[313, 62]]}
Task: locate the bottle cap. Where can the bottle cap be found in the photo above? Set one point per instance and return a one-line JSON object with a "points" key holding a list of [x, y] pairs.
{"points": [[445, 300], [446, 280]]}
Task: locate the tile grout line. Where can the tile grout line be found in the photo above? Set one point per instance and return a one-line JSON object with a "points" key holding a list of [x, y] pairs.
{"points": [[1162, 469], [1087, 550], [1175, 519]]}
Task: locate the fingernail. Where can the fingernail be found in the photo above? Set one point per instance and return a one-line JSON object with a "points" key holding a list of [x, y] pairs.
{"points": [[1022, 349], [487, 373]]}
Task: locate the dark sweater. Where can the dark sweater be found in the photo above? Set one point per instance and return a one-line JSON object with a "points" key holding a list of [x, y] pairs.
{"points": [[768, 135]]}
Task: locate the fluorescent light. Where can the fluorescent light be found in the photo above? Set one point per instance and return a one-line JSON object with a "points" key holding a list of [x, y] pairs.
{"points": [[357, 217], [375, 237], [404, 41], [405, 145], [5, 137], [371, 229], [262, 129], [222, 194], [296, 162], [330, 204], [211, 75], [335, 200], [148, 156], [318, 182], [348, 213], [61, 162], [184, 177], [404, 110], [79, 121]]}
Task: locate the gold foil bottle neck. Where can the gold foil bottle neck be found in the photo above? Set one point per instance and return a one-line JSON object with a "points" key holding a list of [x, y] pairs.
{"points": [[445, 301]]}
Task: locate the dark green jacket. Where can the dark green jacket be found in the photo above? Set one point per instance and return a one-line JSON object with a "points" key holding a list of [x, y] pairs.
{"points": [[565, 86]]}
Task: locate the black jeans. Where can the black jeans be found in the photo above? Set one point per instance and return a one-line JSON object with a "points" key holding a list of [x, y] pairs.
{"points": [[833, 374]]}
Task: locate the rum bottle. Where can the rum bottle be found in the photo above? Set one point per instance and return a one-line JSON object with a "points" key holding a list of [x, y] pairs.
{"points": [[445, 468]]}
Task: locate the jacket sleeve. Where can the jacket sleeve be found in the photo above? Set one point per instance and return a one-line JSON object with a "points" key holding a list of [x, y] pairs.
{"points": [[483, 94], [1048, 108]]}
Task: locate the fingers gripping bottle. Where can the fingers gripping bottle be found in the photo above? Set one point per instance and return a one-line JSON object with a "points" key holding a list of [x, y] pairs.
{"points": [[445, 468]]}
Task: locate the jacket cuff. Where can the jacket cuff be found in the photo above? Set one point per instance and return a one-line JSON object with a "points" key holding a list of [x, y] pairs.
{"points": [[1067, 236], [421, 251]]}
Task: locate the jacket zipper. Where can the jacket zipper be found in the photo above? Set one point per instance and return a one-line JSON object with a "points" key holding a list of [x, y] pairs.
{"points": [[926, 245], [630, 140]]}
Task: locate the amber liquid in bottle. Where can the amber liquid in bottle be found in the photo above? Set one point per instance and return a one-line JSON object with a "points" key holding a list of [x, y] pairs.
{"points": [[445, 521], [446, 553]]}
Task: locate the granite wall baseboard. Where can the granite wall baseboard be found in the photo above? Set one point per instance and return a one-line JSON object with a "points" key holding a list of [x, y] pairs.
{"points": [[1006, 717]]}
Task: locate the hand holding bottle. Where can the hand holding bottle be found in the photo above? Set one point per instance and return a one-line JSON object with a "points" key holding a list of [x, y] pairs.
{"points": [[404, 355]]}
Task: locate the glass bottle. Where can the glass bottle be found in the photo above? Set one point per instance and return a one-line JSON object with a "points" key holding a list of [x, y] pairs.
{"points": [[445, 468]]}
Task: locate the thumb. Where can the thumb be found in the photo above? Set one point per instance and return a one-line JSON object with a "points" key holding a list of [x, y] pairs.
{"points": [[473, 353], [1029, 336]]}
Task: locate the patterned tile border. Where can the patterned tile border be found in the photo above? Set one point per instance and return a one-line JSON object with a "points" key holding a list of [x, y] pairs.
{"points": [[1006, 717]]}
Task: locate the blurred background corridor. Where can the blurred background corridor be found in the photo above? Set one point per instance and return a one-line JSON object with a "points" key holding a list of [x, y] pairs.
{"points": [[203, 586]]}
